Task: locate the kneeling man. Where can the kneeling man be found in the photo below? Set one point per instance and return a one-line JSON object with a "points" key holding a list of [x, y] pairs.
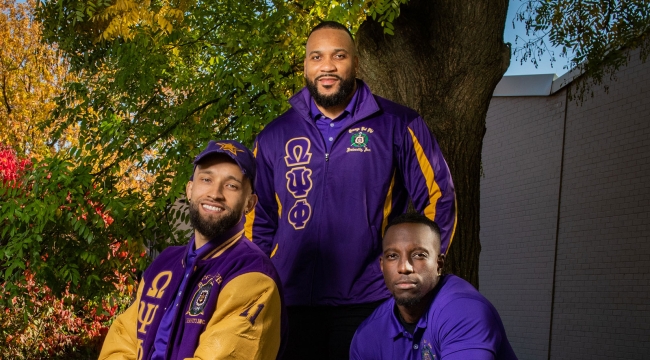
{"points": [[219, 296], [430, 316]]}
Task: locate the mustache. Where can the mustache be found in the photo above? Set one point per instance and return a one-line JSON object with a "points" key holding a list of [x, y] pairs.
{"points": [[329, 76]]}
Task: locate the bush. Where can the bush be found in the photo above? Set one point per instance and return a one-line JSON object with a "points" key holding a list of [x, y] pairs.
{"points": [[42, 325]]}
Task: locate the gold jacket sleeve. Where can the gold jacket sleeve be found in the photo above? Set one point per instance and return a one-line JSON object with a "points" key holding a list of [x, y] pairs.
{"points": [[121, 341], [246, 323]]}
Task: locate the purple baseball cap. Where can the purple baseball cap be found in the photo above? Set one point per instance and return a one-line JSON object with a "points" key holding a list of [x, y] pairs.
{"points": [[238, 152]]}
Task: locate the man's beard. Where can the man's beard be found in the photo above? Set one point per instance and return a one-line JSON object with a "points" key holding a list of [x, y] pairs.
{"points": [[346, 87], [409, 301], [213, 228]]}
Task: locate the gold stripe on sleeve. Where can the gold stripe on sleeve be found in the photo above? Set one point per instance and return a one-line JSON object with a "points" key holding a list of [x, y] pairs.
{"points": [[453, 230], [250, 217], [275, 249], [248, 226], [388, 204], [429, 176], [277, 199]]}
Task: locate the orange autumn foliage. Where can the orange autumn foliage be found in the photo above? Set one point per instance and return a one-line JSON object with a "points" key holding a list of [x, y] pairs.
{"points": [[31, 75]]}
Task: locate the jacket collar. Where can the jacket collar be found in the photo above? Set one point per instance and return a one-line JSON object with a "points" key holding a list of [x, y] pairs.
{"points": [[366, 104], [218, 244]]}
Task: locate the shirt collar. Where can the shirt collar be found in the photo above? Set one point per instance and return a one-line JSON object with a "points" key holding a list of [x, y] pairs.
{"points": [[395, 325], [366, 103], [315, 113], [398, 328]]}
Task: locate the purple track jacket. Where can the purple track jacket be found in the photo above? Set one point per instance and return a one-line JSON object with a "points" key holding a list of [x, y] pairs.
{"points": [[321, 216]]}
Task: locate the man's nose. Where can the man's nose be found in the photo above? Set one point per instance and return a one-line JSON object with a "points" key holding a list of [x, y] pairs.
{"points": [[328, 65], [404, 266], [216, 193]]}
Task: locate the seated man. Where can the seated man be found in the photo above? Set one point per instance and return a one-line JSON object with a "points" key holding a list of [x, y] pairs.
{"points": [[218, 297], [430, 316]]}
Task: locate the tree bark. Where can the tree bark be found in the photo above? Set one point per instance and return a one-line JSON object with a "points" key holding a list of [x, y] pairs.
{"points": [[444, 61]]}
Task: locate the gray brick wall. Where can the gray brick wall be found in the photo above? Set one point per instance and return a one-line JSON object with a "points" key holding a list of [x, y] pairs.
{"points": [[522, 151], [602, 303], [601, 307]]}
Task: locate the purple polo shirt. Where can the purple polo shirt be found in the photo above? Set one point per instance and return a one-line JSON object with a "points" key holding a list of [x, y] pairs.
{"points": [[162, 335], [330, 128], [459, 324]]}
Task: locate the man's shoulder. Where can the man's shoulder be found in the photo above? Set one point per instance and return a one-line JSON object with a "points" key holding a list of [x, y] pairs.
{"points": [[246, 257], [467, 320], [290, 115], [459, 300], [378, 319], [251, 251], [369, 101], [460, 285], [455, 287], [288, 121], [167, 260], [394, 109], [374, 333], [169, 253]]}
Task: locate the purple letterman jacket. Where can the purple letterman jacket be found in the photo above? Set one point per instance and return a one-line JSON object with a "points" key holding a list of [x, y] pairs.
{"points": [[320, 215], [232, 307]]}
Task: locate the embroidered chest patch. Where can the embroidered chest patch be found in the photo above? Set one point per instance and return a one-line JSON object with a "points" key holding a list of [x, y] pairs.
{"points": [[200, 298], [427, 353], [359, 139]]}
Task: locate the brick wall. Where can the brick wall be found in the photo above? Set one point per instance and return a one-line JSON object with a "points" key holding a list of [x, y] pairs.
{"points": [[601, 307], [602, 302], [522, 151]]}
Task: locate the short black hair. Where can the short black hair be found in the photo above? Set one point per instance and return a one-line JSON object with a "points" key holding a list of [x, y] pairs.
{"points": [[414, 218], [331, 25]]}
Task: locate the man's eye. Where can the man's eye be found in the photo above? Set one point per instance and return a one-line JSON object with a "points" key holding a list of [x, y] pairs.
{"points": [[315, 57], [391, 256], [420, 255]]}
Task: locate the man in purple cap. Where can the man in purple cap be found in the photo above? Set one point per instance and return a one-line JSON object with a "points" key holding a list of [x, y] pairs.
{"points": [[430, 316], [218, 297], [332, 172]]}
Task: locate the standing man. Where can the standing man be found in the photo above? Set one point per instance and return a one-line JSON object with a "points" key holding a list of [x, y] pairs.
{"points": [[332, 171], [219, 296], [431, 316]]}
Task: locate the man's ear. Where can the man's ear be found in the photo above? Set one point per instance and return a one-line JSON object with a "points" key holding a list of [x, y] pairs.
{"points": [[381, 263], [250, 203], [441, 263], [188, 191]]}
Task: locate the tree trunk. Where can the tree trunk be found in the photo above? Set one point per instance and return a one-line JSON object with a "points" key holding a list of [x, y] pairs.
{"points": [[444, 61]]}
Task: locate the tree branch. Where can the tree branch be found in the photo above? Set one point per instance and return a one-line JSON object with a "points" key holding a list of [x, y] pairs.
{"points": [[4, 94], [166, 132], [201, 37]]}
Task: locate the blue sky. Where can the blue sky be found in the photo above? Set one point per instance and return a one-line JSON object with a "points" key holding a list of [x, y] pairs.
{"points": [[544, 66]]}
